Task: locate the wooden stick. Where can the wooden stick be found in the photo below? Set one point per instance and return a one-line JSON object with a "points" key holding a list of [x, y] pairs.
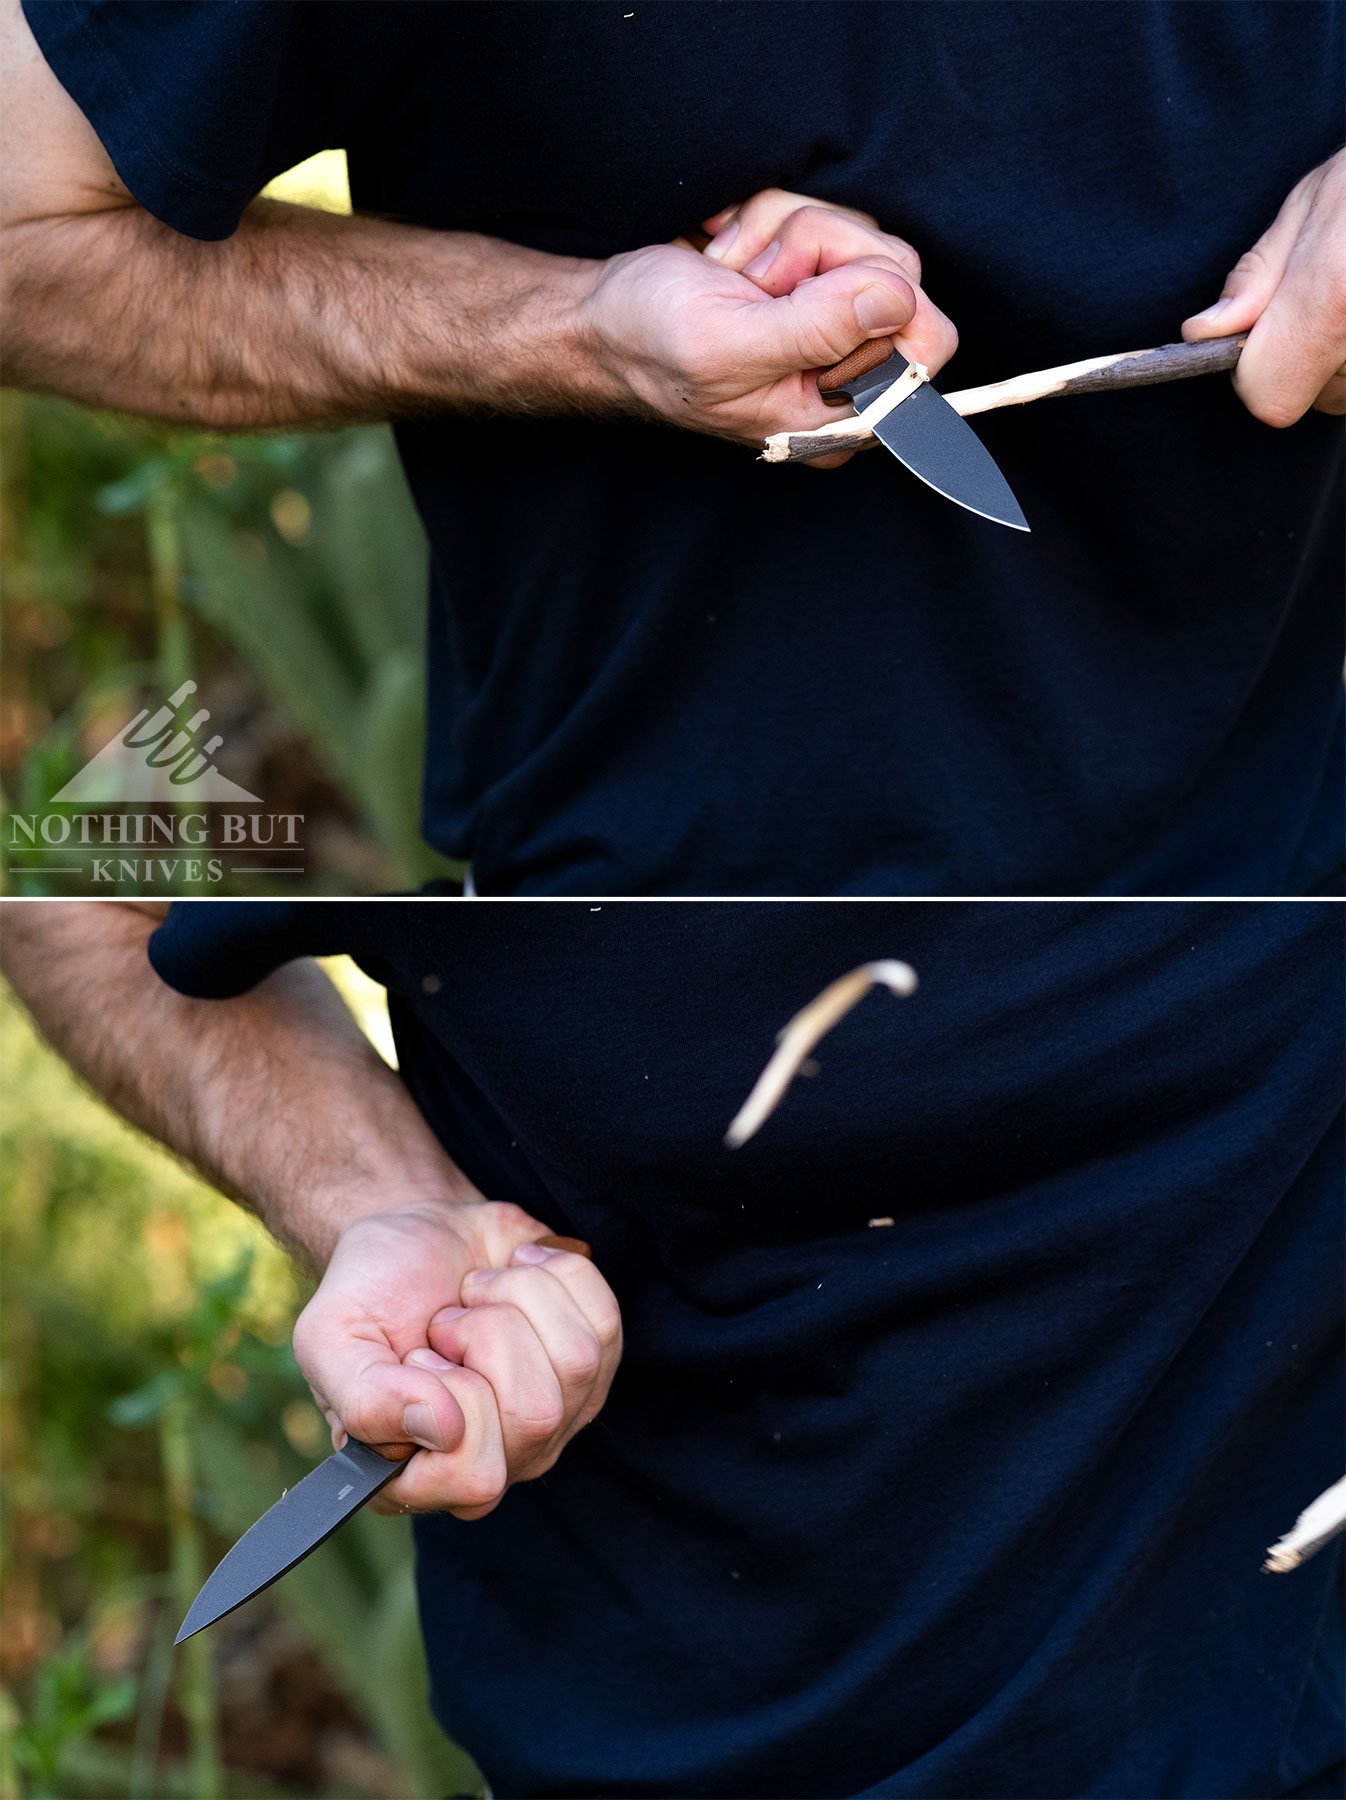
{"points": [[1132, 368], [803, 1032], [1317, 1525]]}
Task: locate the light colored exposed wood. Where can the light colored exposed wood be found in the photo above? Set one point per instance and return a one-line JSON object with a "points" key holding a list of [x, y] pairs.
{"points": [[1098, 374], [1317, 1525], [802, 1033]]}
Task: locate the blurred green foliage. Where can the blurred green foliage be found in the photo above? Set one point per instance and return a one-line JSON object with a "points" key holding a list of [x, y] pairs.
{"points": [[284, 574], [151, 1410]]}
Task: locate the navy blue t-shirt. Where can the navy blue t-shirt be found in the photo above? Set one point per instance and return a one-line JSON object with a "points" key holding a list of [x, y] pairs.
{"points": [[657, 665], [972, 1504]]}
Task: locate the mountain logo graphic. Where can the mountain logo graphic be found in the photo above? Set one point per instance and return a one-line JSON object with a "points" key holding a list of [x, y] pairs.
{"points": [[156, 758]]}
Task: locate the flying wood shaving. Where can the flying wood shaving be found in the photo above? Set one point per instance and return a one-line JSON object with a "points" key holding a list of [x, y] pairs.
{"points": [[1317, 1525], [803, 1032]]}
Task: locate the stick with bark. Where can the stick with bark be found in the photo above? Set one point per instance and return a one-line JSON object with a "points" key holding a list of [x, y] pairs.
{"points": [[1100, 374]]}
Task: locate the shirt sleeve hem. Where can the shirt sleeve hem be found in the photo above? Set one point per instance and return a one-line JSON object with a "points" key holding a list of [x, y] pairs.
{"points": [[188, 202]]}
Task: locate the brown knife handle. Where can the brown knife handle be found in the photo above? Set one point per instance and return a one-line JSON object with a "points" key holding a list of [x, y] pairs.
{"points": [[576, 1246], [858, 363]]}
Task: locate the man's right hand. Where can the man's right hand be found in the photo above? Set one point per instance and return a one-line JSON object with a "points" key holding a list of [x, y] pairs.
{"points": [[726, 341], [107, 305], [446, 1325], [439, 1320]]}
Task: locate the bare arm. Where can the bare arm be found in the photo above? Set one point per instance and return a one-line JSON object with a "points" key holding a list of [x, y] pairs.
{"points": [[300, 317], [303, 317], [439, 1320], [276, 1096]]}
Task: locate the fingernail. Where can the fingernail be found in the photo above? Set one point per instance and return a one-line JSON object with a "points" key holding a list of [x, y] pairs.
{"points": [[429, 1359], [1213, 312], [720, 243], [422, 1427], [532, 1253], [447, 1314], [760, 264], [479, 1277], [878, 308]]}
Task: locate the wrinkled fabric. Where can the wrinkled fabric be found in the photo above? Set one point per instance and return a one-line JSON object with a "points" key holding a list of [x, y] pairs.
{"points": [[658, 666], [972, 1504]]}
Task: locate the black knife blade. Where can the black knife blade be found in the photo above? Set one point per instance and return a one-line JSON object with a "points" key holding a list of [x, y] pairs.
{"points": [[301, 1519], [308, 1513], [928, 437]]}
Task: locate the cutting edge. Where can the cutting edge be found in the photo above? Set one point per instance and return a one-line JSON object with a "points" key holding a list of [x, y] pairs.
{"points": [[369, 1471], [866, 388]]}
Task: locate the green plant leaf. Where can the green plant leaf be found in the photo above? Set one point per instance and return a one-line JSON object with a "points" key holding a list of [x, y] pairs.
{"points": [[131, 493], [147, 1402]]}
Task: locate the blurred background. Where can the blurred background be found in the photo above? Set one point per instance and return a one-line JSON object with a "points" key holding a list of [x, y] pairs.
{"points": [[150, 1411], [284, 574]]}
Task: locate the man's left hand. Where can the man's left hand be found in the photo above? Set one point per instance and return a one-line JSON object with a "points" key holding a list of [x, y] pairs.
{"points": [[1289, 293]]}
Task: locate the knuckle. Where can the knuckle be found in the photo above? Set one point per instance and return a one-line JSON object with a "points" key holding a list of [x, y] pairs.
{"points": [[301, 1338], [907, 256], [606, 1317], [541, 1421], [1276, 413], [361, 1419], [481, 1486], [306, 1343], [688, 351], [491, 1322], [1253, 265], [504, 1216], [1270, 407], [580, 1361], [812, 219], [822, 342], [945, 343]]}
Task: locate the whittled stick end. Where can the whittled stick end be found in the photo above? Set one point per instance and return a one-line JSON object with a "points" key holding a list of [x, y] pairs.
{"points": [[804, 446]]}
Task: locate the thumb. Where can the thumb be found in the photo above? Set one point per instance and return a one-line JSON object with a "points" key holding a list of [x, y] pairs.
{"points": [[823, 319], [385, 1403], [1254, 278]]}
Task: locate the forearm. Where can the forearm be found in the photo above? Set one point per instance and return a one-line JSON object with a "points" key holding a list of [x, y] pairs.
{"points": [[300, 318], [276, 1096]]}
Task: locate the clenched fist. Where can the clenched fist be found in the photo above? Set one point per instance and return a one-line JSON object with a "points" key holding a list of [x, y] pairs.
{"points": [[727, 341], [447, 1326]]}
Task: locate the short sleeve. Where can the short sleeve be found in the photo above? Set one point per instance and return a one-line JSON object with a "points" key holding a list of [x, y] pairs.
{"points": [[218, 949], [198, 103]]}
